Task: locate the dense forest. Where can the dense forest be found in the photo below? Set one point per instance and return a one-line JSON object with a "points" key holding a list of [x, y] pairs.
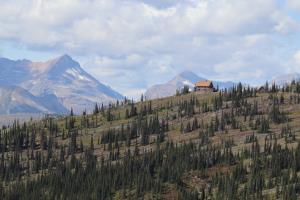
{"points": [[241, 143]]}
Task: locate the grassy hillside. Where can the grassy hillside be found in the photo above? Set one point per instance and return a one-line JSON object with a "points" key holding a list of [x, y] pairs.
{"points": [[237, 144]]}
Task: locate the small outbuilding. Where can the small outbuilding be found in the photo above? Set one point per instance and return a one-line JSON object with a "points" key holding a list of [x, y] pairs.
{"points": [[204, 86]]}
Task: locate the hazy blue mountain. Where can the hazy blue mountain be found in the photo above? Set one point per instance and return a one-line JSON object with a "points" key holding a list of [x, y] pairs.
{"points": [[14, 99], [185, 78], [13, 72], [286, 78], [61, 77]]}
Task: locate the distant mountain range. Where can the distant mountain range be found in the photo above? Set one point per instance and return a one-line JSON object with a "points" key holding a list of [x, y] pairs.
{"points": [[185, 78], [57, 85], [286, 78], [54, 86], [15, 99]]}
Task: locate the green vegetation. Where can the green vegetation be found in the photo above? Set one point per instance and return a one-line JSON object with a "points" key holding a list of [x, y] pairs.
{"points": [[235, 144]]}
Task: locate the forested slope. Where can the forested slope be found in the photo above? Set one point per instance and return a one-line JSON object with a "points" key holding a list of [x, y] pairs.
{"points": [[236, 144]]}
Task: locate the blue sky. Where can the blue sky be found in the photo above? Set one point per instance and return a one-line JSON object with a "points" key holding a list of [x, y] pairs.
{"points": [[133, 44]]}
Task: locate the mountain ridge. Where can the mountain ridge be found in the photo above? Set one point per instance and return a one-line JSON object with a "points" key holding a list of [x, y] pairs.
{"points": [[186, 77], [286, 78], [15, 99], [61, 77]]}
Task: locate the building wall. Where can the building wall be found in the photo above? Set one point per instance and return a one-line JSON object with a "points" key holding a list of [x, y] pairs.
{"points": [[203, 89]]}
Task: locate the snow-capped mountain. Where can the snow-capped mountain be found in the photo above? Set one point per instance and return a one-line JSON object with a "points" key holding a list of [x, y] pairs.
{"points": [[286, 78], [61, 77], [185, 78]]}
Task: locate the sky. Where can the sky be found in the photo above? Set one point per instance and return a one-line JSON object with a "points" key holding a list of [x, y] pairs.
{"points": [[133, 44]]}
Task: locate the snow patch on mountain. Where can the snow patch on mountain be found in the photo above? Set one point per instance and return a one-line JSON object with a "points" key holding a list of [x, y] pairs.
{"points": [[62, 77], [187, 78], [188, 83]]}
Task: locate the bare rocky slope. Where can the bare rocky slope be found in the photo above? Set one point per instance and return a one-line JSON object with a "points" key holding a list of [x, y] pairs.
{"points": [[59, 83]]}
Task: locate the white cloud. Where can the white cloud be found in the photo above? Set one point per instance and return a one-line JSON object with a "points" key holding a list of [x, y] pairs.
{"points": [[294, 4], [127, 26], [297, 58], [160, 64], [127, 62], [285, 23], [255, 39]]}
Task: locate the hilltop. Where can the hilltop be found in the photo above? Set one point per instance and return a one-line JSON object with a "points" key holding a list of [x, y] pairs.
{"points": [[185, 78]]}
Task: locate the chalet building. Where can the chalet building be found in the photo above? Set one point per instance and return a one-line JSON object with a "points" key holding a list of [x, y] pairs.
{"points": [[262, 89], [204, 86]]}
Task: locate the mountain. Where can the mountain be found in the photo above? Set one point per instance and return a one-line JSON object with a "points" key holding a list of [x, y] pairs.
{"points": [[286, 78], [15, 99], [185, 78], [61, 77]]}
